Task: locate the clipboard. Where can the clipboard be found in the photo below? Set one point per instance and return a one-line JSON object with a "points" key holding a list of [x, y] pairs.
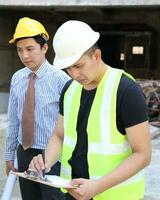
{"points": [[50, 180]]}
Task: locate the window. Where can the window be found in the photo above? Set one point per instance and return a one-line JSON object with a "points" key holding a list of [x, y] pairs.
{"points": [[138, 50]]}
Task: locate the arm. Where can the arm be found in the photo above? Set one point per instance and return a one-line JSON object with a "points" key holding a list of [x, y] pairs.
{"points": [[51, 156], [56, 142], [138, 137], [12, 133]]}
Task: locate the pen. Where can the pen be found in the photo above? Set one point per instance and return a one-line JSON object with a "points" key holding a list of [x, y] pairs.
{"points": [[43, 156]]}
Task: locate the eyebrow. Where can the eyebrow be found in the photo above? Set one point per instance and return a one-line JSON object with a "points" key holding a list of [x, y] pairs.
{"points": [[25, 47], [75, 65]]}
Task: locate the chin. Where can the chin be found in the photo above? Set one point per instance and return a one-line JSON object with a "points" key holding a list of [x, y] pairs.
{"points": [[32, 68]]}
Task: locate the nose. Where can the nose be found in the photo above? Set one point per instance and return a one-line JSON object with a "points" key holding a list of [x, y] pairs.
{"points": [[24, 55]]}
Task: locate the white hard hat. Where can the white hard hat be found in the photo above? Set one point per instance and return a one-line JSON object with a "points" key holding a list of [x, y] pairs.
{"points": [[71, 40]]}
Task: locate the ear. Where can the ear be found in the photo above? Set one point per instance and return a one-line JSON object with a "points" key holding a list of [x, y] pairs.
{"points": [[97, 55], [45, 48]]}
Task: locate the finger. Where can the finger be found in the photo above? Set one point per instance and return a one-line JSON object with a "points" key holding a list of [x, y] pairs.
{"points": [[37, 164], [47, 168], [77, 182], [7, 171], [41, 161], [31, 164], [76, 193], [15, 169], [72, 193], [9, 167]]}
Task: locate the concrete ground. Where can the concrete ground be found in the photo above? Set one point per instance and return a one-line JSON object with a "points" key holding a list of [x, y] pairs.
{"points": [[152, 171]]}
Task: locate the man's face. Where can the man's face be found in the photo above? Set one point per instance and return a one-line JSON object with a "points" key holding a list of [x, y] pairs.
{"points": [[85, 70], [31, 53]]}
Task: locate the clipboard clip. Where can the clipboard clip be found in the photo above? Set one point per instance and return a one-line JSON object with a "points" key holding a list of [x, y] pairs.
{"points": [[30, 173]]}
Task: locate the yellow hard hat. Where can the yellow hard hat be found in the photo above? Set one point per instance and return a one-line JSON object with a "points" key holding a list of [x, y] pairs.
{"points": [[28, 27]]}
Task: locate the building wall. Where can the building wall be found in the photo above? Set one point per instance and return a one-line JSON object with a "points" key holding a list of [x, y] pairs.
{"points": [[78, 2], [107, 19], [5, 52]]}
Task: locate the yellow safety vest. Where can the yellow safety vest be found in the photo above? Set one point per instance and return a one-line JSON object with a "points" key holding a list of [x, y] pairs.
{"points": [[107, 147]]}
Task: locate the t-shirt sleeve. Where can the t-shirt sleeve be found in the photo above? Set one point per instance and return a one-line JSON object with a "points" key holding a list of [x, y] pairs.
{"points": [[133, 107], [62, 96]]}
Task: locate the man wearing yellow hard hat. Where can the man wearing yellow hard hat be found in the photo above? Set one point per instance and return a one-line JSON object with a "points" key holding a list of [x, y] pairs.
{"points": [[33, 106]]}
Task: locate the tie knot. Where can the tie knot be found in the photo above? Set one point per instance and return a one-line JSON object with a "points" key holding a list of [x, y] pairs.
{"points": [[32, 75]]}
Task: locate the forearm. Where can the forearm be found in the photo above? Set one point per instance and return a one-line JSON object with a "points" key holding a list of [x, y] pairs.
{"points": [[139, 140], [53, 150], [11, 140], [90, 188], [127, 169], [13, 128]]}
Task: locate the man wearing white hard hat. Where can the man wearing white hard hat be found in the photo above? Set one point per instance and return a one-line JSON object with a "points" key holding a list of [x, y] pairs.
{"points": [[102, 134], [30, 123]]}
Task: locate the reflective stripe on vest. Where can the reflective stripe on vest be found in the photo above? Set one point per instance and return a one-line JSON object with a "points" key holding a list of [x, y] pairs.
{"points": [[107, 148]]}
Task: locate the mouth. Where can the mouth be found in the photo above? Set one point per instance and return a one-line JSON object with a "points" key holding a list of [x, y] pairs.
{"points": [[81, 81], [27, 62]]}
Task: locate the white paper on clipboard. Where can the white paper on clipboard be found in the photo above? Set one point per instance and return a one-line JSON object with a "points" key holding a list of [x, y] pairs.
{"points": [[50, 180], [56, 180]]}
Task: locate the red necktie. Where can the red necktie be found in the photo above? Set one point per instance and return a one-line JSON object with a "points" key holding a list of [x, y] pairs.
{"points": [[28, 114]]}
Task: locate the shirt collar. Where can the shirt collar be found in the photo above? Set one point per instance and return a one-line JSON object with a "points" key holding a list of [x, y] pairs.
{"points": [[41, 70]]}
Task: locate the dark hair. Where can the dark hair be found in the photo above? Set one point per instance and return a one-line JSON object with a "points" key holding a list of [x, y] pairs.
{"points": [[38, 38], [91, 50]]}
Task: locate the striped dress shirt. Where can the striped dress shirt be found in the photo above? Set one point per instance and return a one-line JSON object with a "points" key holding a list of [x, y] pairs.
{"points": [[49, 83]]}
